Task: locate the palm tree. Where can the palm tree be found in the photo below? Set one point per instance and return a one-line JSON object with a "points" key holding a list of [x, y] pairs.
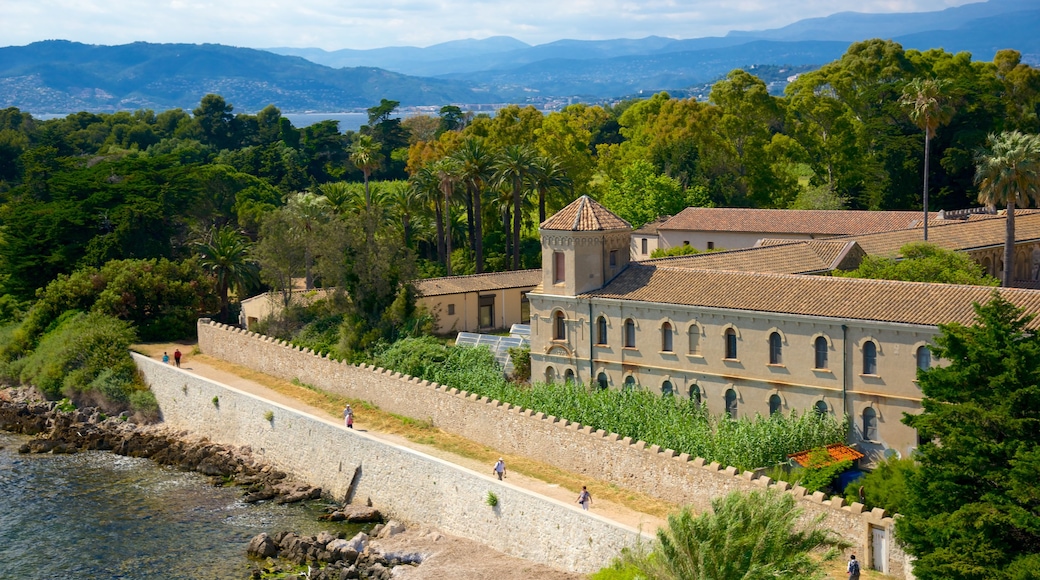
{"points": [[476, 168], [366, 155], [929, 109], [513, 168], [1008, 172], [547, 175], [427, 186], [343, 197], [404, 203], [448, 175], [749, 535], [226, 255]]}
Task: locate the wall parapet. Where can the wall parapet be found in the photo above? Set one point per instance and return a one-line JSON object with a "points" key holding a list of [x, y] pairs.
{"points": [[405, 483], [660, 473]]}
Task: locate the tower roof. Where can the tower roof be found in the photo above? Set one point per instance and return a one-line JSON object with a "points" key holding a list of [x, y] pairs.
{"points": [[585, 215]]}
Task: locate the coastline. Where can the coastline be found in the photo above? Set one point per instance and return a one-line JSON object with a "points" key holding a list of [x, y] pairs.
{"points": [[55, 431]]}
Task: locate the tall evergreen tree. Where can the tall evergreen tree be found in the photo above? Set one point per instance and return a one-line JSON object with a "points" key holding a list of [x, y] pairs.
{"points": [[973, 507]]}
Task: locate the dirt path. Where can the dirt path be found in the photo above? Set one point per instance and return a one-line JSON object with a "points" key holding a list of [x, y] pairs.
{"points": [[448, 551], [448, 556]]}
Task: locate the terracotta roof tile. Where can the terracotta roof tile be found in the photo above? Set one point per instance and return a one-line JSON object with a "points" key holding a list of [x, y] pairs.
{"points": [[793, 221], [650, 229], [585, 215], [478, 282], [791, 257], [953, 235], [825, 296]]}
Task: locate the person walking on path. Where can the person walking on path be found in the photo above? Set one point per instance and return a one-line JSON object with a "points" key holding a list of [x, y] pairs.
{"points": [[177, 357], [585, 498], [500, 468], [348, 417], [165, 358], [853, 568]]}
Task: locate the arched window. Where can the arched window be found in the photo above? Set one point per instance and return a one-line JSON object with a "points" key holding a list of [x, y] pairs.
{"points": [[870, 424], [666, 337], [731, 403], [630, 333], [776, 353], [870, 358], [821, 408], [550, 375], [731, 343], [820, 346], [774, 404], [924, 358], [568, 376], [630, 382], [695, 394], [601, 330], [602, 380], [695, 339], [666, 389], [559, 326]]}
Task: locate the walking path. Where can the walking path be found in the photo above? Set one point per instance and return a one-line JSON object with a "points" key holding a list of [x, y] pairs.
{"points": [[610, 510], [462, 559]]}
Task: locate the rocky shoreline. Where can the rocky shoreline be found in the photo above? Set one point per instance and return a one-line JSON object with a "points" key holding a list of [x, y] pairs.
{"points": [[333, 558], [55, 430], [88, 429]]}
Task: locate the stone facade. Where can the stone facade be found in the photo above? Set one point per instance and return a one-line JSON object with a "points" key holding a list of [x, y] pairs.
{"points": [[692, 361], [402, 482], [564, 444]]}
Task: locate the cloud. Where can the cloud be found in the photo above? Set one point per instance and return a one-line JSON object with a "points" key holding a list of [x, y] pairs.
{"points": [[334, 24]]}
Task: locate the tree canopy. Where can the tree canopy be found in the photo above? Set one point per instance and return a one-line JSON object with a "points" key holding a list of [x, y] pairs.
{"points": [[746, 535], [973, 507], [923, 262]]}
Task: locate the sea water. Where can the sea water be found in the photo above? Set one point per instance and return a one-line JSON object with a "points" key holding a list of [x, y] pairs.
{"points": [[101, 515]]}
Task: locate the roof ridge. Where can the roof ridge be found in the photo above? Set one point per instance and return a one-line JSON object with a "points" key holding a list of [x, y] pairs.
{"points": [[577, 214], [457, 276]]}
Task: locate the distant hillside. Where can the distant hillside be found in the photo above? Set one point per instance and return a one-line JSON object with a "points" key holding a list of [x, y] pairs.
{"points": [[612, 77], [603, 69], [853, 26], [61, 76]]}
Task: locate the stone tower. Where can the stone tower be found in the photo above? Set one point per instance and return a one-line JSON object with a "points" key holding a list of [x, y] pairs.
{"points": [[584, 245]]}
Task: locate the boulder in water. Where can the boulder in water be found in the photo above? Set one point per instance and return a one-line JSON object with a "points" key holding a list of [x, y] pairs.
{"points": [[262, 546]]}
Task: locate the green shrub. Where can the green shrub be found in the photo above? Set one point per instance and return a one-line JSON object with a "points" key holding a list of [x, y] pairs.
{"points": [[491, 499], [821, 470], [163, 299], [143, 403], [321, 334], [885, 486], [617, 571], [521, 357], [417, 357], [85, 357]]}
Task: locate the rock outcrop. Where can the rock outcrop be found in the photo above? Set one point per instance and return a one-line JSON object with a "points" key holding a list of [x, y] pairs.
{"points": [[327, 557], [87, 429]]}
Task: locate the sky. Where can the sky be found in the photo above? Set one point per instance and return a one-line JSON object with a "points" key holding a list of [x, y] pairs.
{"points": [[336, 24]]}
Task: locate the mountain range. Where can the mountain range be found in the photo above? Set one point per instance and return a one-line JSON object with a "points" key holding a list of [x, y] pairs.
{"points": [[62, 76]]}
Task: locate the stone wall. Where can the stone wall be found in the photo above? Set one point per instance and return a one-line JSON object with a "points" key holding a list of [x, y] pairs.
{"points": [[605, 456], [402, 482]]}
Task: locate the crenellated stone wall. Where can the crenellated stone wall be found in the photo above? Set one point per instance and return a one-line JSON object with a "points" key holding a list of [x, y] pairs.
{"points": [[402, 482], [630, 464]]}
